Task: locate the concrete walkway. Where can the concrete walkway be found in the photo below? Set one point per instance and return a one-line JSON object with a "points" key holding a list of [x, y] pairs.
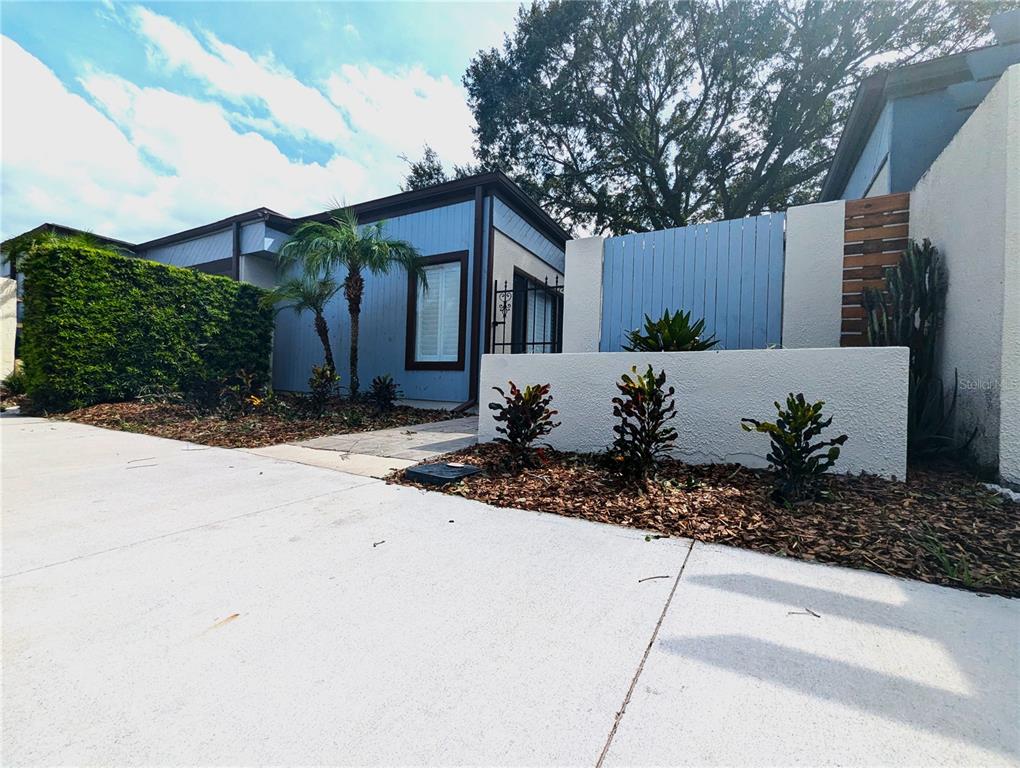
{"points": [[165, 603], [376, 454]]}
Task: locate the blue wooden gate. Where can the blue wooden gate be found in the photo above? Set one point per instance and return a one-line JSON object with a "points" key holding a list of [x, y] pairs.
{"points": [[728, 272]]}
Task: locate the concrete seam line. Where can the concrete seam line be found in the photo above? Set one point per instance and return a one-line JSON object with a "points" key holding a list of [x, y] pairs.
{"points": [[183, 530], [644, 658]]}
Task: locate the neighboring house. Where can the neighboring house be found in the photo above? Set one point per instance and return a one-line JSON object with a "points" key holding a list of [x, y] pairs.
{"points": [[903, 118], [480, 235]]}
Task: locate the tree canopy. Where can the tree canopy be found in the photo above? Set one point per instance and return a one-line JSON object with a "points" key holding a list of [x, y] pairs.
{"points": [[622, 115]]}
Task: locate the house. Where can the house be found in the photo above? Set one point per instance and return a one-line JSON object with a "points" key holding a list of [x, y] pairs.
{"points": [[494, 269], [903, 118]]}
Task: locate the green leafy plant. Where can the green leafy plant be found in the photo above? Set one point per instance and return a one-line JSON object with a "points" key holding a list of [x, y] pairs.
{"points": [[308, 292], [910, 313], [323, 386], [644, 408], [797, 461], [670, 333], [383, 392], [16, 382], [241, 394], [522, 418], [100, 327]]}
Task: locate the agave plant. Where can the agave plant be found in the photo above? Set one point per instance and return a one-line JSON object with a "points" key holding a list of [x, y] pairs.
{"points": [[670, 333]]}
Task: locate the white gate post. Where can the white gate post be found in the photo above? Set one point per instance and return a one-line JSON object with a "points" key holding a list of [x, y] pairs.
{"points": [[582, 295]]}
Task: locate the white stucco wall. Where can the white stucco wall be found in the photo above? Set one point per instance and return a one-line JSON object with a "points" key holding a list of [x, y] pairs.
{"points": [[865, 391], [582, 296], [967, 205], [813, 275], [8, 324]]}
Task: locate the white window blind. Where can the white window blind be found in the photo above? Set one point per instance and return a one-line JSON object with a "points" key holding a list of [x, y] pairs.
{"points": [[438, 315]]}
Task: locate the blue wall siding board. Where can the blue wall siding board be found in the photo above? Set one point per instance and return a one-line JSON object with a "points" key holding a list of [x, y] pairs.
{"points": [[746, 313], [711, 276], [516, 228], [761, 281], [730, 273]]}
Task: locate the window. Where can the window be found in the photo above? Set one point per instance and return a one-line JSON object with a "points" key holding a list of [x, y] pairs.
{"points": [[436, 315]]}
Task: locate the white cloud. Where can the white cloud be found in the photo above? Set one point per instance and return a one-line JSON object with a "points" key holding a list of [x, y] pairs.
{"points": [[405, 110], [140, 162], [65, 161], [234, 74]]}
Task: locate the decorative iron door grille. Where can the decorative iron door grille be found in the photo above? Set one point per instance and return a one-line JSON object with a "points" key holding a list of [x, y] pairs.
{"points": [[527, 317]]}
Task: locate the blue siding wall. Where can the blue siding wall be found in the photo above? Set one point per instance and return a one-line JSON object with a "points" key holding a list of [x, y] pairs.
{"points": [[516, 228], [875, 153], [729, 272], [383, 317], [218, 245]]}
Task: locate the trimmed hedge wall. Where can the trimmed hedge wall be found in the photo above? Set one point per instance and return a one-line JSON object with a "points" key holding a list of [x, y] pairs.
{"points": [[100, 327]]}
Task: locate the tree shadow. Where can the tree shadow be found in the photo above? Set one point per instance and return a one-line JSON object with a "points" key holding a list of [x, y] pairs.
{"points": [[985, 646]]}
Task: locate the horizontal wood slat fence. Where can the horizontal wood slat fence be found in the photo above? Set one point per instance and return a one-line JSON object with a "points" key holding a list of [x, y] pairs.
{"points": [[875, 236]]}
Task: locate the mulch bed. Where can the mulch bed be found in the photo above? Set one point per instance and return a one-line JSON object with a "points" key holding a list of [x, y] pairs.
{"points": [[941, 526], [282, 422]]}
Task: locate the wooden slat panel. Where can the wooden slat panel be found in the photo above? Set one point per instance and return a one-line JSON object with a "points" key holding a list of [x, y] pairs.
{"points": [[855, 286], [853, 340], [878, 220], [853, 312], [852, 324], [875, 246], [875, 233], [864, 273], [898, 202], [870, 260]]}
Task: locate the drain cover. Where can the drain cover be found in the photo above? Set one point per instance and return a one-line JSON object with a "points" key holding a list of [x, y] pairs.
{"points": [[441, 473]]}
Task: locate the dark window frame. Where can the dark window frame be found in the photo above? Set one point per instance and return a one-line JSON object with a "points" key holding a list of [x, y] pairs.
{"points": [[410, 364]]}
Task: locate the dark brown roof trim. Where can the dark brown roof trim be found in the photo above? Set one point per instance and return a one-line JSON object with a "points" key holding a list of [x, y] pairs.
{"points": [[257, 214], [61, 229]]}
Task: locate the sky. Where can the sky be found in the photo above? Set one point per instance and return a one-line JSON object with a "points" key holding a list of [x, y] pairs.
{"points": [[138, 120]]}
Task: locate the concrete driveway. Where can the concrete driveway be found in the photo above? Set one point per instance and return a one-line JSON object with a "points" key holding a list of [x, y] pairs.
{"points": [[165, 603]]}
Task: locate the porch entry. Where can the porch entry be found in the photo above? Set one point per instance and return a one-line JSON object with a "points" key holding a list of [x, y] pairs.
{"points": [[527, 316]]}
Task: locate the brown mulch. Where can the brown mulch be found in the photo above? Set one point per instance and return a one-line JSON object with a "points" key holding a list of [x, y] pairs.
{"points": [[282, 422], [941, 526]]}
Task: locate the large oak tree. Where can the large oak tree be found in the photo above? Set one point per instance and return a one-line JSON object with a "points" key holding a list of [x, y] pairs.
{"points": [[621, 115]]}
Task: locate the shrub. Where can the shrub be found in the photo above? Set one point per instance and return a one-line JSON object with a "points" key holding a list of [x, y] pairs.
{"points": [[796, 461], [323, 385], [910, 314], [241, 394], [100, 327], [643, 435], [16, 382], [383, 392], [670, 333], [522, 418]]}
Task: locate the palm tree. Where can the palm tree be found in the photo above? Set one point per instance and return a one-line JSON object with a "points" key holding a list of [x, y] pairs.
{"points": [[324, 247], [311, 293]]}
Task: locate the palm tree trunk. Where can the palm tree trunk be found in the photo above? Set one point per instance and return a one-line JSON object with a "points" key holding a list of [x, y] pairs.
{"points": [[323, 331], [354, 287]]}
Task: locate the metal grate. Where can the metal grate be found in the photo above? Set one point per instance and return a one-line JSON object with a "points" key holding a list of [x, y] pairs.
{"points": [[527, 317]]}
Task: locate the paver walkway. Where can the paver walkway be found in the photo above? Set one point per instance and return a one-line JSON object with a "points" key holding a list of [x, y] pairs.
{"points": [[172, 604], [376, 454]]}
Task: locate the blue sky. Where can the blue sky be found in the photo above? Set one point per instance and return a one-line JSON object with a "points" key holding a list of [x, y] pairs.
{"points": [[136, 120]]}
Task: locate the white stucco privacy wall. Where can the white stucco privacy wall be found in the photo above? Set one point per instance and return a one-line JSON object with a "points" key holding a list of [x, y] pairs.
{"points": [[813, 275], [968, 205], [8, 324], [865, 391], [582, 295]]}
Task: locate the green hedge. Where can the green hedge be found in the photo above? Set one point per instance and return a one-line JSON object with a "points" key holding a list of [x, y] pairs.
{"points": [[101, 327]]}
